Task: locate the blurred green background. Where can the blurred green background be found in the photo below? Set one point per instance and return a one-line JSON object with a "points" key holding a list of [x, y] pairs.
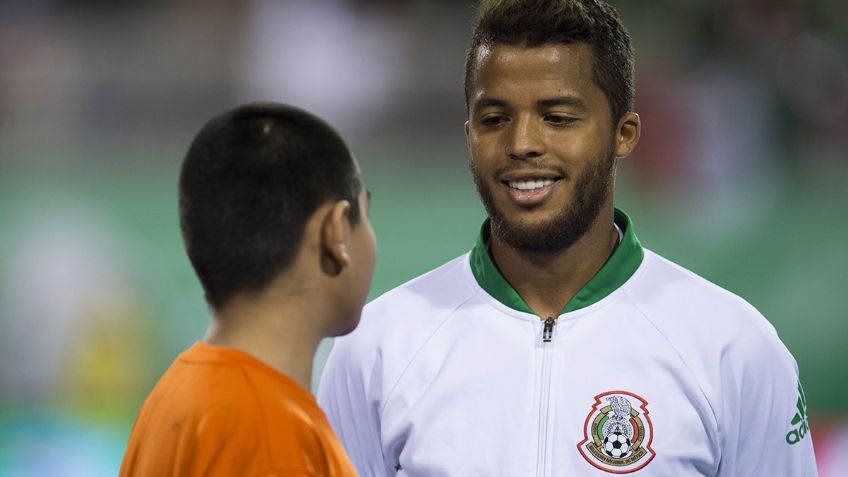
{"points": [[739, 177]]}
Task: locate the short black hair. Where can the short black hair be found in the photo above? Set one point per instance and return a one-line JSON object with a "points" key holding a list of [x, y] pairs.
{"points": [[533, 23], [249, 183]]}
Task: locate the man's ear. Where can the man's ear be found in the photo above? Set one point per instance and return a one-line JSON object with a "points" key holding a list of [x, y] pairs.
{"points": [[335, 232], [627, 134], [467, 132]]}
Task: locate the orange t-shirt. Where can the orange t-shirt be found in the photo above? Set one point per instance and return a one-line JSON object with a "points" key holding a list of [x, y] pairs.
{"points": [[222, 412]]}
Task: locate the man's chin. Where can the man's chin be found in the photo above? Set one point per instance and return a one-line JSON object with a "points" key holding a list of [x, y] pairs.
{"points": [[543, 235], [527, 236]]}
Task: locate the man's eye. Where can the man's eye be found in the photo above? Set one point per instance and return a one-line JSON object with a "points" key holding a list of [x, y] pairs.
{"points": [[560, 120], [492, 120]]}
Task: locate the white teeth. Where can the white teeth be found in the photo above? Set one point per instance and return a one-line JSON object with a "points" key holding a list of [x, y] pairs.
{"points": [[530, 185]]}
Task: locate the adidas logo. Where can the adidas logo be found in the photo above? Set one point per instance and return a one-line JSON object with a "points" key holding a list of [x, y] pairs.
{"points": [[800, 419]]}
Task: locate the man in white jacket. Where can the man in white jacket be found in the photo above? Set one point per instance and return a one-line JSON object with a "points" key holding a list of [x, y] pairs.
{"points": [[559, 346]]}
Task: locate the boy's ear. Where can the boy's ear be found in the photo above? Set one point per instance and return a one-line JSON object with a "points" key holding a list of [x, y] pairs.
{"points": [[335, 231]]}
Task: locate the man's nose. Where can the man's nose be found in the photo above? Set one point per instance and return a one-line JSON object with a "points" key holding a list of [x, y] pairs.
{"points": [[525, 139]]}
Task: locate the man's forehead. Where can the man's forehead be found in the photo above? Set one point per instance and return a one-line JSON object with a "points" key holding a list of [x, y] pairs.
{"points": [[563, 64], [572, 54]]}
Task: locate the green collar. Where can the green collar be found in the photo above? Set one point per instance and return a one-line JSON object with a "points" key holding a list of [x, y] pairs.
{"points": [[619, 268]]}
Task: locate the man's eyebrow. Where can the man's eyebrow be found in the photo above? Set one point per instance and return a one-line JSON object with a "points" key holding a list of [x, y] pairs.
{"points": [[571, 101], [487, 102], [561, 101]]}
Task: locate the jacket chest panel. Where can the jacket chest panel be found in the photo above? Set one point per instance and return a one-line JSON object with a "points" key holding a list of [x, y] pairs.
{"points": [[493, 385]]}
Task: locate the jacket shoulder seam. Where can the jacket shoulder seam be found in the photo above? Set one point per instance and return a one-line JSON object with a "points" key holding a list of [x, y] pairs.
{"points": [[424, 345]]}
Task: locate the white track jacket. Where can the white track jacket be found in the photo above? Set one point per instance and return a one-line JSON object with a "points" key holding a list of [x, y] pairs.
{"points": [[649, 370]]}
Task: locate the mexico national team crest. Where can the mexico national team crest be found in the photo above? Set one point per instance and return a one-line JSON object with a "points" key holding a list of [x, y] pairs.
{"points": [[618, 433]]}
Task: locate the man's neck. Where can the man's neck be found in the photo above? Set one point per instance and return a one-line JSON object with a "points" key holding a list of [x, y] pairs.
{"points": [[548, 282], [280, 334]]}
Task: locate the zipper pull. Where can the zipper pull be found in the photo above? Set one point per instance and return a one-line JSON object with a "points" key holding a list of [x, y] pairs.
{"points": [[548, 332]]}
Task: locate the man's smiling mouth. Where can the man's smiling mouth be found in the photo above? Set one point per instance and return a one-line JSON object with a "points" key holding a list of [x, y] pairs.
{"points": [[530, 184], [530, 190]]}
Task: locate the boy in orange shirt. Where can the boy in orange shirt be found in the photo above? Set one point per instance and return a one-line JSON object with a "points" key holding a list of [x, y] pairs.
{"points": [[273, 215]]}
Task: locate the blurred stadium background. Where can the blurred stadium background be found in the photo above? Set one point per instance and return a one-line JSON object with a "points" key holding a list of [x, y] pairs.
{"points": [[740, 176]]}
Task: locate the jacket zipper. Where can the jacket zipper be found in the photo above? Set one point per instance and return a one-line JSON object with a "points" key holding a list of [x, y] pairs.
{"points": [[547, 338], [548, 332]]}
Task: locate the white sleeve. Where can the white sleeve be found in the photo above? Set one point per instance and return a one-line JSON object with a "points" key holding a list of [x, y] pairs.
{"points": [[344, 395], [764, 428]]}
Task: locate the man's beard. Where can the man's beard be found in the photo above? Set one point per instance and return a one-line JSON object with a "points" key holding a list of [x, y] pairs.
{"points": [[591, 190]]}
